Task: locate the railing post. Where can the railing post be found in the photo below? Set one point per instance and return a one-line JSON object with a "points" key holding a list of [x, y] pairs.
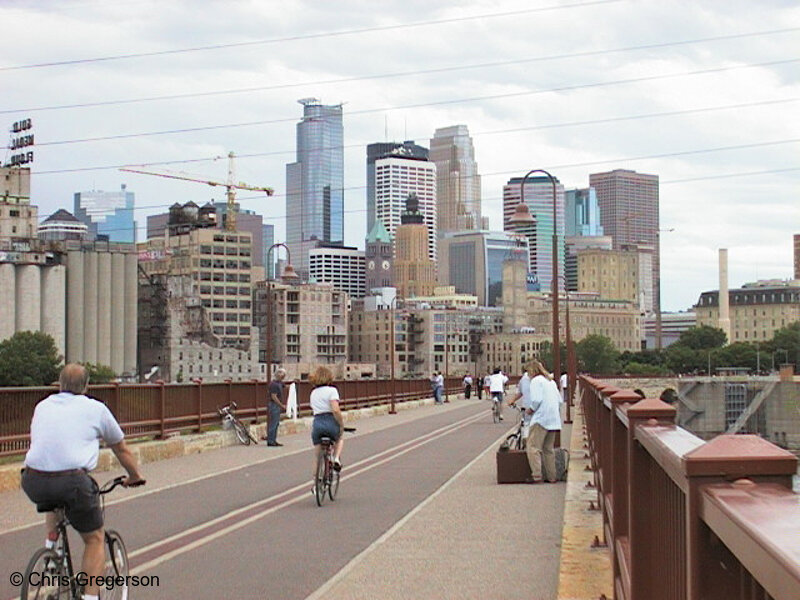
{"points": [[642, 548], [256, 398], [724, 458], [162, 408], [199, 393]]}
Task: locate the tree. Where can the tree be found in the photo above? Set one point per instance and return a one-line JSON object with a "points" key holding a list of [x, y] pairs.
{"points": [[788, 339], [740, 354], [99, 373], [644, 369], [682, 359], [703, 337], [29, 358], [597, 354]]}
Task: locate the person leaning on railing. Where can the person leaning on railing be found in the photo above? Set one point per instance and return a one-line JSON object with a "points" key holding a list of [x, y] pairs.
{"points": [[65, 433]]}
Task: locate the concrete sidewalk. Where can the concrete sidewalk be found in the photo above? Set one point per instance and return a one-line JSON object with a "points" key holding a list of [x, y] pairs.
{"points": [[472, 539]]}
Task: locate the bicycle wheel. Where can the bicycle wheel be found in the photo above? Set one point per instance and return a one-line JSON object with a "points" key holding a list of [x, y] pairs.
{"points": [[333, 485], [241, 432], [319, 481], [45, 577], [117, 564], [495, 412]]}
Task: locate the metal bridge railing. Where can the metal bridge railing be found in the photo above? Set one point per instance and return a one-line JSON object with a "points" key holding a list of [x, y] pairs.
{"points": [[684, 518]]}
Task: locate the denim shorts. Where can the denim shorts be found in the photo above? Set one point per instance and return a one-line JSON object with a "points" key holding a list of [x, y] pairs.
{"points": [[325, 425]]}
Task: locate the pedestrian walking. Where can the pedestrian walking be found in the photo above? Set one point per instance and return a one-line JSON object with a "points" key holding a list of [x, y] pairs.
{"points": [[275, 407], [467, 386], [479, 386]]}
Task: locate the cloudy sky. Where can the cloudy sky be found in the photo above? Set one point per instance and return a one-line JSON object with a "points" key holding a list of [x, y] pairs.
{"points": [[705, 94]]}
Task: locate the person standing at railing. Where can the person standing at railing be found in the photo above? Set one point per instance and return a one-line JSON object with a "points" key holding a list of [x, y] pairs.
{"points": [[275, 407], [479, 386], [544, 408], [467, 386]]}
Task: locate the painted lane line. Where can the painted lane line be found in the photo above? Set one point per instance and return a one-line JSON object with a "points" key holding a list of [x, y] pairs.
{"points": [[256, 511], [325, 589]]}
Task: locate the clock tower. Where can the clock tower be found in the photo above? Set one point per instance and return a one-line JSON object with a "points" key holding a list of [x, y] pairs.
{"points": [[379, 258]]}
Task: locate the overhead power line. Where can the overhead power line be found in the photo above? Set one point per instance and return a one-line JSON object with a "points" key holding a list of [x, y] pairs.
{"points": [[310, 36], [421, 104], [495, 64], [474, 134]]}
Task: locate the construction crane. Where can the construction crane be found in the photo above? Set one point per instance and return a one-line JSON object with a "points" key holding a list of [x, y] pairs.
{"points": [[230, 186]]}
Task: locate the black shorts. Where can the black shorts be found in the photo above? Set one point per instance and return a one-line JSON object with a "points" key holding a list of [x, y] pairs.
{"points": [[76, 492]]}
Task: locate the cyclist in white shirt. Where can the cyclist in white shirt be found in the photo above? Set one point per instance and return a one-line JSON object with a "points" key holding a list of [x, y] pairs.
{"points": [[497, 388], [328, 419], [65, 433]]}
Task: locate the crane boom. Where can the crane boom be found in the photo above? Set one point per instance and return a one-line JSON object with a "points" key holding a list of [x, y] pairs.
{"points": [[230, 187]]}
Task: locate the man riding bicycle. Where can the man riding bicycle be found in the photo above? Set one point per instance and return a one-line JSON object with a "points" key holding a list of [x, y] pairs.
{"points": [[65, 433], [497, 388]]}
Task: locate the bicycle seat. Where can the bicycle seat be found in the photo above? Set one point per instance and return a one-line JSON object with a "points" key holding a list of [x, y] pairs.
{"points": [[50, 507], [325, 440]]}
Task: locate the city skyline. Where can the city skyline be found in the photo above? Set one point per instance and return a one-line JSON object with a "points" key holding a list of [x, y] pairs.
{"points": [[571, 101]]}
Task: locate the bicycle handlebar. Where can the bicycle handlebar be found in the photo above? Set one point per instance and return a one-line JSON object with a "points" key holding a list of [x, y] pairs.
{"points": [[118, 481]]}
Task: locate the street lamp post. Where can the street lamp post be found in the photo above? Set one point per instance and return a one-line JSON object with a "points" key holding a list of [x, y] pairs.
{"points": [[554, 281], [290, 275], [392, 307], [571, 358]]}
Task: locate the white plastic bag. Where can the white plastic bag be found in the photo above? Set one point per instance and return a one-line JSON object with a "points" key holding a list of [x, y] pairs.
{"points": [[291, 402]]}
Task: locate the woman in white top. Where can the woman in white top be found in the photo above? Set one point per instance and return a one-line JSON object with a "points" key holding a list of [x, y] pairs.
{"points": [[545, 410], [328, 420]]}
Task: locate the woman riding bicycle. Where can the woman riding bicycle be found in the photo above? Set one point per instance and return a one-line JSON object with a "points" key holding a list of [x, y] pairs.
{"points": [[328, 420]]}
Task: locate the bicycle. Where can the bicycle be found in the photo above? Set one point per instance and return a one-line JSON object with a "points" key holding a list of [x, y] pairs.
{"points": [[517, 440], [497, 400], [326, 480], [50, 573], [231, 421]]}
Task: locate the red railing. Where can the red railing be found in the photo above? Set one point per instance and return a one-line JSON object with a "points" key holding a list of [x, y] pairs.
{"points": [[155, 410], [688, 519]]}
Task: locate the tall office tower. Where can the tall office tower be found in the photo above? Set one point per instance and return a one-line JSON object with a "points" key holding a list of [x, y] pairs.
{"points": [[107, 213], [268, 238], [629, 213], [458, 185], [341, 266], [539, 198], [414, 269], [582, 213], [797, 255], [472, 262], [379, 258], [398, 177], [315, 182], [378, 150]]}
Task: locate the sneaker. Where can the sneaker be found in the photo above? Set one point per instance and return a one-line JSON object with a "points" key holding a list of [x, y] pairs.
{"points": [[274, 444], [337, 465], [501, 418]]}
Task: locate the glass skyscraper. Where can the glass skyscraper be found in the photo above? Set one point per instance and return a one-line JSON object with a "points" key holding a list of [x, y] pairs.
{"points": [[108, 214], [315, 182], [582, 213]]}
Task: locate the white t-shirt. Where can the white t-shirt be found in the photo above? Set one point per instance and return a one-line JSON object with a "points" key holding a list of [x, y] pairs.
{"points": [[321, 398], [497, 381], [467, 380], [66, 430]]}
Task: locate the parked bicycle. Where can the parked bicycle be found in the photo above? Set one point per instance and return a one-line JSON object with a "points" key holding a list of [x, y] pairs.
{"points": [[231, 421], [50, 573], [326, 481]]}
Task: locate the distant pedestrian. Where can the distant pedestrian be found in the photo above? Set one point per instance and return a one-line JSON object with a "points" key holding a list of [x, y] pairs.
{"points": [[440, 386], [486, 383], [564, 381], [437, 391], [275, 406], [467, 386], [479, 386]]}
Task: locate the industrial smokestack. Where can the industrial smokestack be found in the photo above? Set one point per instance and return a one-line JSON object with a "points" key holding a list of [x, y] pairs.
{"points": [[724, 307]]}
